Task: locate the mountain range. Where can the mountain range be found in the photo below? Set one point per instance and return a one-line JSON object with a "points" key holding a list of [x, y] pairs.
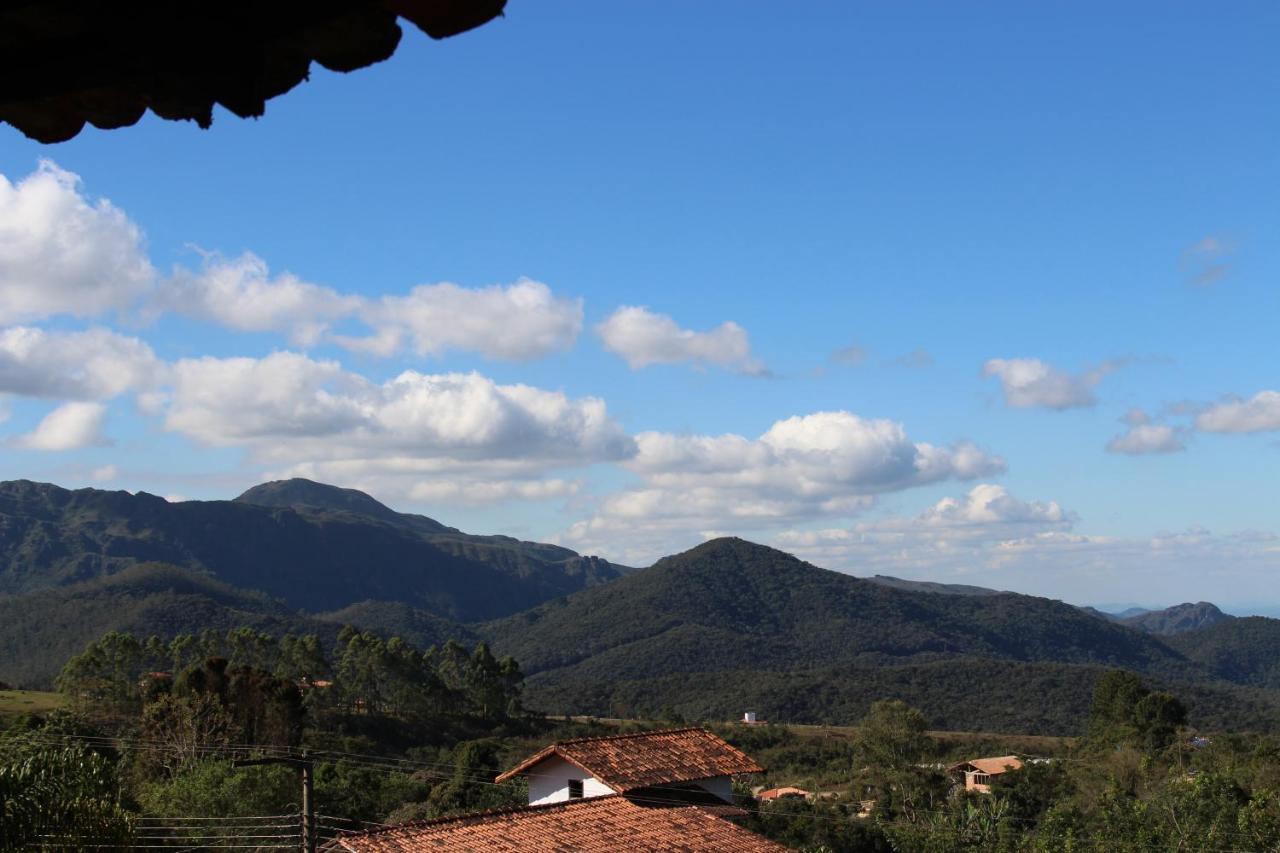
{"points": [[705, 633]]}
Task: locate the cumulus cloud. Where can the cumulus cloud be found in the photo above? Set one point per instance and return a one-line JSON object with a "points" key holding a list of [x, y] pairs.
{"points": [[1144, 437], [104, 473], [993, 538], [820, 465], [1030, 382], [643, 338], [71, 426], [240, 293], [62, 253], [517, 322], [417, 435], [92, 365], [1259, 413]]}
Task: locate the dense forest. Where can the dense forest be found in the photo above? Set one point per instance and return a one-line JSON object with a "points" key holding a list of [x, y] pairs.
{"points": [[197, 742]]}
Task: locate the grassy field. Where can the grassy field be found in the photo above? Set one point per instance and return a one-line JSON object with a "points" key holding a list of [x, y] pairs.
{"points": [[15, 702]]}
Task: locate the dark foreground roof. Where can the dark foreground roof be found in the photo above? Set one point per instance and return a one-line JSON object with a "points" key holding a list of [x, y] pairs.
{"points": [[611, 824], [67, 62], [631, 761]]}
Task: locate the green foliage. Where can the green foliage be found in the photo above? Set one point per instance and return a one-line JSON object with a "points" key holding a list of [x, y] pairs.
{"points": [[892, 736], [363, 793], [218, 788], [59, 798], [1125, 711], [468, 788]]}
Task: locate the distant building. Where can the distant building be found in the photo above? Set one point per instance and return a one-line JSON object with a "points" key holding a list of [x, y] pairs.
{"points": [[749, 717], [690, 765], [785, 792], [597, 825], [978, 772]]}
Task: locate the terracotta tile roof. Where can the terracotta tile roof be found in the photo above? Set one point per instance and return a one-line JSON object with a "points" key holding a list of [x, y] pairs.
{"points": [[990, 766], [626, 762], [610, 823], [784, 791]]}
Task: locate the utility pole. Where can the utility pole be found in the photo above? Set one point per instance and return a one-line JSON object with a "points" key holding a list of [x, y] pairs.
{"points": [[308, 805], [306, 771]]}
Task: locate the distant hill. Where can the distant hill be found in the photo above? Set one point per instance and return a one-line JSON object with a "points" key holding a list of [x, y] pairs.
{"points": [[302, 492], [40, 631], [1176, 619], [729, 603], [1245, 650], [931, 586], [726, 625], [314, 547]]}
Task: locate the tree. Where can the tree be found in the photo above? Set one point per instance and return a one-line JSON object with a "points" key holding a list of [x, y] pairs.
{"points": [[217, 787], [1126, 711], [1157, 717], [892, 736]]}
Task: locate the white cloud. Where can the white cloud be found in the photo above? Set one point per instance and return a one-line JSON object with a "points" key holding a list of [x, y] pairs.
{"points": [[104, 474], [827, 464], [240, 293], [1030, 382], [417, 435], [644, 338], [1145, 437], [989, 504], [991, 538], [61, 253], [1260, 413], [92, 365], [518, 322], [71, 426]]}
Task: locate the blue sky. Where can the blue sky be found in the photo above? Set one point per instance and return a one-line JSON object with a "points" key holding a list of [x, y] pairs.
{"points": [[999, 231]]}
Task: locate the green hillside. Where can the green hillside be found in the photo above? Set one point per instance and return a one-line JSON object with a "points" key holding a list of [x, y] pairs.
{"points": [[1244, 650], [1177, 619], [729, 603], [956, 695], [335, 548]]}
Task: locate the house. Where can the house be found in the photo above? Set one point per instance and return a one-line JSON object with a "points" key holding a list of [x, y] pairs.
{"points": [[785, 792], [606, 824], [978, 772], [689, 764]]}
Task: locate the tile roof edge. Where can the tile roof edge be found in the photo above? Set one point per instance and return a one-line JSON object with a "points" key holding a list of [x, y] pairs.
{"points": [[489, 813], [550, 749]]}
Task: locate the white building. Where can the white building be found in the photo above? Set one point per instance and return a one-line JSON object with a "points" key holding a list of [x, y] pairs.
{"points": [[687, 764]]}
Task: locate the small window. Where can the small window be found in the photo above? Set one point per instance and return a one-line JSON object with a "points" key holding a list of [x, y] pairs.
{"points": [[575, 789]]}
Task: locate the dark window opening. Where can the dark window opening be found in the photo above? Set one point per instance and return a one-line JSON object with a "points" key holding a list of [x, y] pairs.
{"points": [[575, 789]]}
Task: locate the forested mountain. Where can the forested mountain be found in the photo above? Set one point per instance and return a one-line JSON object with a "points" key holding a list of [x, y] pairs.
{"points": [[709, 631], [731, 625], [932, 586], [1176, 619], [1245, 650], [312, 546], [729, 600]]}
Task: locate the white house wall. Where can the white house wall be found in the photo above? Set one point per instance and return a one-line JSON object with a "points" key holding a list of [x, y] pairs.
{"points": [[549, 782]]}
